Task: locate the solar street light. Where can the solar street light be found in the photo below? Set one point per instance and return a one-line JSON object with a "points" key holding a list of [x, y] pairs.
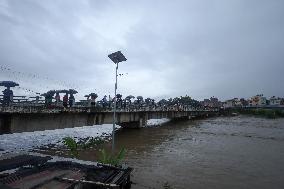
{"points": [[116, 57]]}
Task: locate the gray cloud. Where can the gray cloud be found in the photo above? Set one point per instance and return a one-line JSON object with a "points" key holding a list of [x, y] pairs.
{"points": [[200, 48]]}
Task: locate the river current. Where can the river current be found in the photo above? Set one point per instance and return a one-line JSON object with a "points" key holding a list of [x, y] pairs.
{"points": [[222, 152]]}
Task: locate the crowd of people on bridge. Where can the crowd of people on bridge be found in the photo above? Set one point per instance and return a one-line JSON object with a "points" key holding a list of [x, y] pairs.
{"points": [[52, 99]]}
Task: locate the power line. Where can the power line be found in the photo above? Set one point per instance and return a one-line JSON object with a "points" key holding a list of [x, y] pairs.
{"points": [[17, 75]]}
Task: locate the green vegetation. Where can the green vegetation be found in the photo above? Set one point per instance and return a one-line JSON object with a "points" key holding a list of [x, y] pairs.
{"points": [[112, 159], [267, 113], [106, 158], [72, 145], [90, 142]]}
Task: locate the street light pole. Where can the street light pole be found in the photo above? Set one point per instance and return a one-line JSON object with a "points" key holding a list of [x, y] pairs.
{"points": [[116, 58], [114, 108]]}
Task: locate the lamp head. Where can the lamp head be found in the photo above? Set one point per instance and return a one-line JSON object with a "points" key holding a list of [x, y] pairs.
{"points": [[117, 57]]}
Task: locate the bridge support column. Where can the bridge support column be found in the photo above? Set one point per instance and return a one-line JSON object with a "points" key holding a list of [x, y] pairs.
{"points": [[5, 124], [143, 119], [130, 125], [140, 120]]}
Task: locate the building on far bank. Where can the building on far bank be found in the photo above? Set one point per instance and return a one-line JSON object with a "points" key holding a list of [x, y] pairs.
{"points": [[255, 101], [235, 102], [213, 102], [282, 101], [258, 100], [275, 101], [205, 102], [244, 102]]}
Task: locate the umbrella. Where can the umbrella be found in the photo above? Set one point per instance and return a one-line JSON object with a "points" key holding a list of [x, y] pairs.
{"points": [[62, 91], [163, 101], [139, 97], [93, 95], [72, 91], [8, 83], [129, 97], [48, 93], [51, 92], [148, 100]]}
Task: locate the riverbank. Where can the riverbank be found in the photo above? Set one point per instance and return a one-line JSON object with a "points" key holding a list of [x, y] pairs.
{"points": [[51, 140], [260, 112], [28, 141]]}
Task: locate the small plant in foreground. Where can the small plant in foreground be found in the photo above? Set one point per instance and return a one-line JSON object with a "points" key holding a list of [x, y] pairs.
{"points": [[112, 159], [90, 142], [106, 157], [71, 144]]}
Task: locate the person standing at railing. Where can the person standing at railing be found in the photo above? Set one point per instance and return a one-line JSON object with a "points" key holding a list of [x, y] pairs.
{"points": [[104, 101], [65, 100], [109, 102], [36, 100], [7, 97], [93, 99], [71, 100], [57, 99]]}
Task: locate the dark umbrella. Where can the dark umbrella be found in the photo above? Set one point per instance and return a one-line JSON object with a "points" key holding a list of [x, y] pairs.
{"points": [[73, 91], [51, 92], [118, 96], [8, 83], [139, 97], [163, 101], [62, 91], [93, 95], [129, 97]]}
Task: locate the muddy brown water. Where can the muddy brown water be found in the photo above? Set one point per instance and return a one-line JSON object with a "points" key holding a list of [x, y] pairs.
{"points": [[223, 152]]}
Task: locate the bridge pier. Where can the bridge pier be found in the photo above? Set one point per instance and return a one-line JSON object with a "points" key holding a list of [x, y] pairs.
{"points": [[130, 125], [137, 121], [5, 124]]}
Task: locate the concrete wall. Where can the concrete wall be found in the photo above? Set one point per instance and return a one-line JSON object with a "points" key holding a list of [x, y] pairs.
{"points": [[39, 122], [25, 122], [13, 123]]}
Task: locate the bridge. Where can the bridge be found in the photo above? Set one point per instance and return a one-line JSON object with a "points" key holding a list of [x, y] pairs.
{"points": [[32, 118], [21, 114]]}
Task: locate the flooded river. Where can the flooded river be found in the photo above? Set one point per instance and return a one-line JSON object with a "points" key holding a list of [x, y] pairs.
{"points": [[223, 152]]}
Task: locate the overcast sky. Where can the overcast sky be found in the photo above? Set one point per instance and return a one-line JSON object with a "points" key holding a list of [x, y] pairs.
{"points": [[203, 48]]}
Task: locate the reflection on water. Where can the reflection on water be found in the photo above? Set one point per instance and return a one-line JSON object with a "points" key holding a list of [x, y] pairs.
{"points": [[224, 152]]}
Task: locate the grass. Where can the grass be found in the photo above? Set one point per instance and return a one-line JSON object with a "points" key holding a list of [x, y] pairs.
{"points": [[260, 112], [112, 158], [105, 157], [72, 145]]}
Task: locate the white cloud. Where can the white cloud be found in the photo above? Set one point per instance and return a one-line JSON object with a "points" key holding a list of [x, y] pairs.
{"points": [[199, 48]]}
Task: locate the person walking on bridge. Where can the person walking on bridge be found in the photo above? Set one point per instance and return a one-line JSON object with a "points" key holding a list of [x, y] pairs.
{"points": [[7, 97], [65, 100], [57, 99], [71, 100]]}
